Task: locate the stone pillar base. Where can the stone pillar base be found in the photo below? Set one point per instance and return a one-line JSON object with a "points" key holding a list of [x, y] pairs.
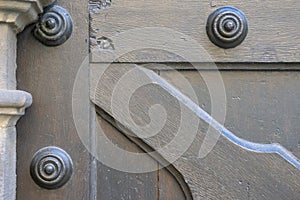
{"points": [[12, 106]]}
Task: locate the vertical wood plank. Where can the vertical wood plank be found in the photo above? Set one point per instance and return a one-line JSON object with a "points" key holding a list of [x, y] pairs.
{"points": [[48, 74]]}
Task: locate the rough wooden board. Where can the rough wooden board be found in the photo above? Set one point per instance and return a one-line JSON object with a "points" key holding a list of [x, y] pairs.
{"points": [[228, 172], [48, 74], [273, 29]]}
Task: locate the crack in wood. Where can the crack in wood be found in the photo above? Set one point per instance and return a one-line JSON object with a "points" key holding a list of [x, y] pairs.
{"points": [[97, 5]]}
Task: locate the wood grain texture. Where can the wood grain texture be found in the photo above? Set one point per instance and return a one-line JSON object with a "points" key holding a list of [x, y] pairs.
{"points": [[48, 74], [273, 30], [228, 171]]}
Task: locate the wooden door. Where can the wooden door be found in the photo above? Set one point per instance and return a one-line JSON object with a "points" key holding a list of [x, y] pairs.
{"points": [[80, 88], [48, 73]]}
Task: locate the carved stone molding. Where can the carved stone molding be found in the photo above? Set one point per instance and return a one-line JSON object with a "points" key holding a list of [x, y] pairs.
{"points": [[12, 106], [21, 13]]}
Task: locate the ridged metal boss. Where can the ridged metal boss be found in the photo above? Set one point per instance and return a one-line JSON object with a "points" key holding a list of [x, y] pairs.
{"points": [[51, 168], [227, 27]]}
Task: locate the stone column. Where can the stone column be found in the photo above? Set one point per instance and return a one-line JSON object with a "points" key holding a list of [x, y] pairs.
{"points": [[14, 16]]}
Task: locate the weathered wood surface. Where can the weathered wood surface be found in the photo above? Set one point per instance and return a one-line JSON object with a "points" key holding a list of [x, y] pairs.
{"points": [[48, 74], [262, 106], [228, 171], [273, 30]]}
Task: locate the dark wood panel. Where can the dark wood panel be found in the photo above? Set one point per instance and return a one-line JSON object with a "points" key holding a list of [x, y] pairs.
{"points": [[114, 184], [175, 183], [273, 30], [169, 188], [48, 74]]}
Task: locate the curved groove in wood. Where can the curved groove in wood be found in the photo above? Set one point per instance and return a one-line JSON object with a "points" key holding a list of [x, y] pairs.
{"points": [[245, 144], [145, 147]]}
